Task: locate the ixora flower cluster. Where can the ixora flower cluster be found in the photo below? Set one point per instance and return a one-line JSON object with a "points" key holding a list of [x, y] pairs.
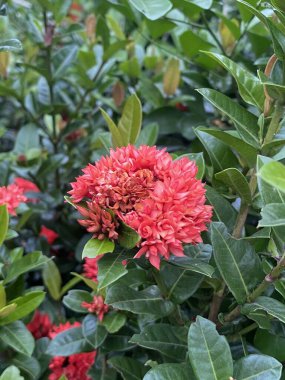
{"points": [[160, 198]]}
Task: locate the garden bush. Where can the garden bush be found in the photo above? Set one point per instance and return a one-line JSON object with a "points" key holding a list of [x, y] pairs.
{"points": [[142, 190]]}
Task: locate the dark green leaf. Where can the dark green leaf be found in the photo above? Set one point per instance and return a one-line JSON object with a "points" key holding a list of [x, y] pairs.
{"points": [[110, 269], [113, 322], [94, 333], [128, 238], [129, 369], [271, 306], [171, 371], [273, 215], [257, 367], [29, 366], [74, 299], [17, 336], [68, 342], [52, 279]]}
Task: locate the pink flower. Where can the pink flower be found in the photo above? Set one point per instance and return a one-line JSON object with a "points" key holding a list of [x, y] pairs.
{"points": [[159, 198], [97, 306], [40, 325], [12, 196], [90, 268], [27, 186], [49, 234], [74, 367]]}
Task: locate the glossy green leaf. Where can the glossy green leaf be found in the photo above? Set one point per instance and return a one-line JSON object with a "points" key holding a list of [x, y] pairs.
{"points": [[273, 215], [74, 299], [271, 306], [67, 343], [152, 9], [273, 173], [148, 135], [130, 123], [128, 368], [237, 182], [128, 238], [209, 352], [52, 279], [113, 322], [96, 247], [29, 366], [170, 341], [90, 283], [6, 310], [250, 87], [17, 336], [10, 45], [4, 223], [269, 343], [237, 261], [110, 269], [68, 56], [93, 332], [25, 305], [245, 121], [171, 371], [29, 262], [11, 373], [257, 367], [220, 154], [147, 301], [27, 138]]}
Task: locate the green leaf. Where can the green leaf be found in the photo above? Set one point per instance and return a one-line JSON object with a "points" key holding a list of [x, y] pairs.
{"points": [[171, 371], [129, 125], [197, 43], [110, 269], [68, 342], [236, 180], [237, 261], [257, 367], [92, 284], [148, 135], [147, 301], [204, 4], [29, 262], [152, 9], [17, 336], [52, 279], [4, 223], [270, 342], [27, 138], [94, 333], [11, 373], [271, 306], [128, 238], [170, 341], [6, 310], [10, 45], [159, 27], [68, 55], [199, 160], [220, 154], [29, 366], [74, 299], [113, 322], [230, 138], [273, 215], [250, 87], [2, 296], [116, 134], [25, 305], [96, 247], [246, 123], [273, 173], [128, 368], [209, 352]]}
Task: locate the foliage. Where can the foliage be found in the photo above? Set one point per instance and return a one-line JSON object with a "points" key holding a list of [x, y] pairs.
{"points": [[205, 79]]}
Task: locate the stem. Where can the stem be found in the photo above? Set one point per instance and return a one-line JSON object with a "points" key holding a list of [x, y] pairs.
{"points": [[275, 123], [213, 34]]}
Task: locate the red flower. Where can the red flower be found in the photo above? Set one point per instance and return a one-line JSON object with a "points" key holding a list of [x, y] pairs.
{"points": [[50, 235], [90, 268], [97, 306], [12, 196], [40, 325], [27, 186], [75, 12], [181, 107], [159, 198], [74, 367]]}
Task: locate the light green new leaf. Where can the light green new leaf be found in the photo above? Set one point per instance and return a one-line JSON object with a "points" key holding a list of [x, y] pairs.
{"points": [[236, 180], [271, 306], [273, 173], [171, 371], [17, 336], [209, 352], [237, 261], [250, 87], [52, 279], [147, 301], [96, 247], [4, 223], [117, 139], [257, 367], [273, 215], [11, 373], [152, 9], [130, 123], [246, 123], [170, 341]]}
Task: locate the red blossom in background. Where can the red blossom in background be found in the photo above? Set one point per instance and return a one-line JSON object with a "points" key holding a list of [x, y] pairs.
{"points": [[12, 195], [49, 234], [90, 268], [40, 325], [74, 367], [144, 187], [27, 186], [97, 306]]}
